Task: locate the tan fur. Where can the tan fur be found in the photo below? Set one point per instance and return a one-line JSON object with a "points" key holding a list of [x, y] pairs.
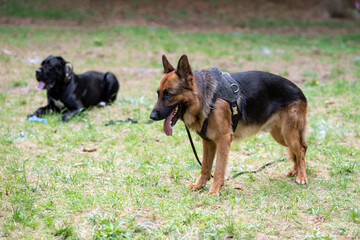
{"points": [[287, 126]]}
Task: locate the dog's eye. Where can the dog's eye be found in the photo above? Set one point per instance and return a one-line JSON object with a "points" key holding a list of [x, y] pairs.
{"points": [[167, 95]]}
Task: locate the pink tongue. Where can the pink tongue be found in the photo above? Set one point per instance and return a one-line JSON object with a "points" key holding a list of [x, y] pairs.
{"points": [[167, 126], [40, 86]]}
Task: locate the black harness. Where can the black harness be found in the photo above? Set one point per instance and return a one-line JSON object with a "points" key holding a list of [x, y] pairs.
{"points": [[227, 89]]}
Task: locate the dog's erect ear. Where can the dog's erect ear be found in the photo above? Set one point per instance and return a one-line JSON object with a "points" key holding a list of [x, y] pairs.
{"points": [[183, 69], [167, 66]]}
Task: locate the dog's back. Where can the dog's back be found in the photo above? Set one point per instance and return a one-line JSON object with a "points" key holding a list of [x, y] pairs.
{"points": [[102, 86], [264, 91]]}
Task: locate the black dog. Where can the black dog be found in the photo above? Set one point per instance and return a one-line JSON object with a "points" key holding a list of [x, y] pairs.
{"points": [[72, 93]]}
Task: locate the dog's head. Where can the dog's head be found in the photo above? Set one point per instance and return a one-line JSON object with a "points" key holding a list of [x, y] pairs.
{"points": [[53, 70], [173, 93]]}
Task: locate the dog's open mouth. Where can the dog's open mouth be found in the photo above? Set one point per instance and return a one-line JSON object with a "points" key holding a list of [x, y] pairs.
{"points": [[174, 116], [40, 86]]}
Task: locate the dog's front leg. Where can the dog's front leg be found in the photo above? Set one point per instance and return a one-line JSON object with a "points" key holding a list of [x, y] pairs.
{"points": [[68, 113], [209, 149], [42, 110], [223, 148]]}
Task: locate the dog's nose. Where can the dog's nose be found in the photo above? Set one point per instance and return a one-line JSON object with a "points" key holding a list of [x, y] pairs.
{"points": [[38, 70], [154, 115]]}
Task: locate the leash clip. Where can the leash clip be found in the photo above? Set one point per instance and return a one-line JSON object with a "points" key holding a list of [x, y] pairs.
{"points": [[234, 109]]}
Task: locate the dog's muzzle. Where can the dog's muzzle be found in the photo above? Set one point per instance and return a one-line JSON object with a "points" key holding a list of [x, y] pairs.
{"points": [[39, 74], [154, 115]]}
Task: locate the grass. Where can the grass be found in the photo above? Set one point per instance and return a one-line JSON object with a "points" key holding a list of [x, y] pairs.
{"points": [[134, 184], [42, 9]]}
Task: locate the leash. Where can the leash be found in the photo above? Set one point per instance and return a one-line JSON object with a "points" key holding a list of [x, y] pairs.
{"points": [[127, 120], [193, 146], [255, 171], [237, 174]]}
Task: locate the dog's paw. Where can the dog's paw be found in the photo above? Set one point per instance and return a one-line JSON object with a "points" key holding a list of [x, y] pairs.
{"points": [[301, 180], [65, 118], [194, 186], [30, 115], [290, 173], [101, 104], [217, 193]]}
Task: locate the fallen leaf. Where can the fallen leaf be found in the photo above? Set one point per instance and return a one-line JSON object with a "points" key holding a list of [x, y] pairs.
{"points": [[329, 102], [79, 164], [237, 186], [89, 149]]}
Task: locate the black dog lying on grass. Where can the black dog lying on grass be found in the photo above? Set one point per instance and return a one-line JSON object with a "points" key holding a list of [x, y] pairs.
{"points": [[72, 93]]}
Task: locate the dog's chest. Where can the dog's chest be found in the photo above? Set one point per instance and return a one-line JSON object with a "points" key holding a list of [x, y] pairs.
{"points": [[59, 104]]}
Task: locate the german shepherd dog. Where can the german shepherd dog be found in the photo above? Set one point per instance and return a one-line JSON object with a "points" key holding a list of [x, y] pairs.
{"points": [[264, 102]]}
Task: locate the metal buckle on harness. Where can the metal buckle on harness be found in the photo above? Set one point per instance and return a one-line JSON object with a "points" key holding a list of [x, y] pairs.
{"points": [[234, 109], [234, 87]]}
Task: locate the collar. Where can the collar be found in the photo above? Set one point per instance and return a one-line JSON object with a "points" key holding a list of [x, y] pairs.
{"points": [[69, 70]]}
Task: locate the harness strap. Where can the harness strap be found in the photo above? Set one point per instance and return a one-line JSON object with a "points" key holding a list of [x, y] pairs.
{"points": [[202, 132], [228, 90]]}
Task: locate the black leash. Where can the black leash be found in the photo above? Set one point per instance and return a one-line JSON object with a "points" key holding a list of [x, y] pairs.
{"points": [[193, 147], [237, 174], [127, 120], [257, 170]]}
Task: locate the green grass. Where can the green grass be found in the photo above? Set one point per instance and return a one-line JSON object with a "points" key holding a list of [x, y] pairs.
{"points": [[42, 9], [134, 184]]}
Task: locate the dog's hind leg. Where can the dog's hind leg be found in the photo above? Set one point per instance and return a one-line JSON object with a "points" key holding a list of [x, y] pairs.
{"points": [[111, 88], [297, 151], [293, 171], [293, 132], [277, 135], [209, 150], [67, 114]]}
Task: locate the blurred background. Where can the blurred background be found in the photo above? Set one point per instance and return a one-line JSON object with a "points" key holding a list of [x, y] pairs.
{"points": [[228, 15]]}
